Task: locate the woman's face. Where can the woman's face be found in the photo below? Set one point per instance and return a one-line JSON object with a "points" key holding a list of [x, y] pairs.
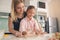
{"points": [[31, 13], [20, 8]]}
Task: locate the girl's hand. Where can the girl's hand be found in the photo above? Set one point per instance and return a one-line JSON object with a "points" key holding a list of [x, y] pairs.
{"points": [[37, 32], [24, 33]]}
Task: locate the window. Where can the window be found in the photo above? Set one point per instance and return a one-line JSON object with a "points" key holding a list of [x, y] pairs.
{"points": [[41, 4]]}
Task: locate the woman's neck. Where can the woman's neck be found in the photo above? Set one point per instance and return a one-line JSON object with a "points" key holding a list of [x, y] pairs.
{"points": [[20, 15]]}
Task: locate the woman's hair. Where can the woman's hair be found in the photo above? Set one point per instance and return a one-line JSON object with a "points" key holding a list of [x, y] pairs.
{"points": [[30, 7], [13, 8]]}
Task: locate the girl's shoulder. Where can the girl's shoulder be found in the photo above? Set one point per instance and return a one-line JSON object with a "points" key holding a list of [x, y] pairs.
{"points": [[35, 20], [23, 20]]}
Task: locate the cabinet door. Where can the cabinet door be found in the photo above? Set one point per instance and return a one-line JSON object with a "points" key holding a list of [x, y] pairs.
{"points": [[4, 24]]}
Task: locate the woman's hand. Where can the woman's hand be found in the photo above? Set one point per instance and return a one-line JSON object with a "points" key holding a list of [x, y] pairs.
{"points": [[18, 34]]}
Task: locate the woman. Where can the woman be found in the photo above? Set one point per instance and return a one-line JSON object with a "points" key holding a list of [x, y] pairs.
{"points": [[17, 14]]}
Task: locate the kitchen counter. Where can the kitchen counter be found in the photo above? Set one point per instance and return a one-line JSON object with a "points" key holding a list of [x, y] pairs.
{"points": [[12, 37]]}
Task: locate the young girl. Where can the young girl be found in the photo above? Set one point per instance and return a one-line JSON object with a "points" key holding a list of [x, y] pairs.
{"points": [[29, 25]]}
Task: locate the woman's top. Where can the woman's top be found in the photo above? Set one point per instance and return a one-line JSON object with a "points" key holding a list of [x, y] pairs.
{"points": [[16, 23]]}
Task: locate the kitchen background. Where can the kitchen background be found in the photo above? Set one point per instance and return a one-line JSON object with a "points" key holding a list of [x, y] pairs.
{"points": [[48, 13]]}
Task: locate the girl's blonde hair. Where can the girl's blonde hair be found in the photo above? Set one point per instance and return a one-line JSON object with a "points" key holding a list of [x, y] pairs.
{"points": [[13, 8]]}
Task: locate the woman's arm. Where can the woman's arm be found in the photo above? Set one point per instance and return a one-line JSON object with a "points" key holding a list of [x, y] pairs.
{"points": [[11, 29]]}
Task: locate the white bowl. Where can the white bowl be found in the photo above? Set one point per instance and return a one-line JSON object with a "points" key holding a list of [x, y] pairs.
{"points": [[1, 34]]}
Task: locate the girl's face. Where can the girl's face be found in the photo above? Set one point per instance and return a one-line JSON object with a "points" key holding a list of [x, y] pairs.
{"points": [[20, 8], [31, 13]]}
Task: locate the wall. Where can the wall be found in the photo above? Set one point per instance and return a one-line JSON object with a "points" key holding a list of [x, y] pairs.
{"points": [[53, 9], [5, 5]]}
